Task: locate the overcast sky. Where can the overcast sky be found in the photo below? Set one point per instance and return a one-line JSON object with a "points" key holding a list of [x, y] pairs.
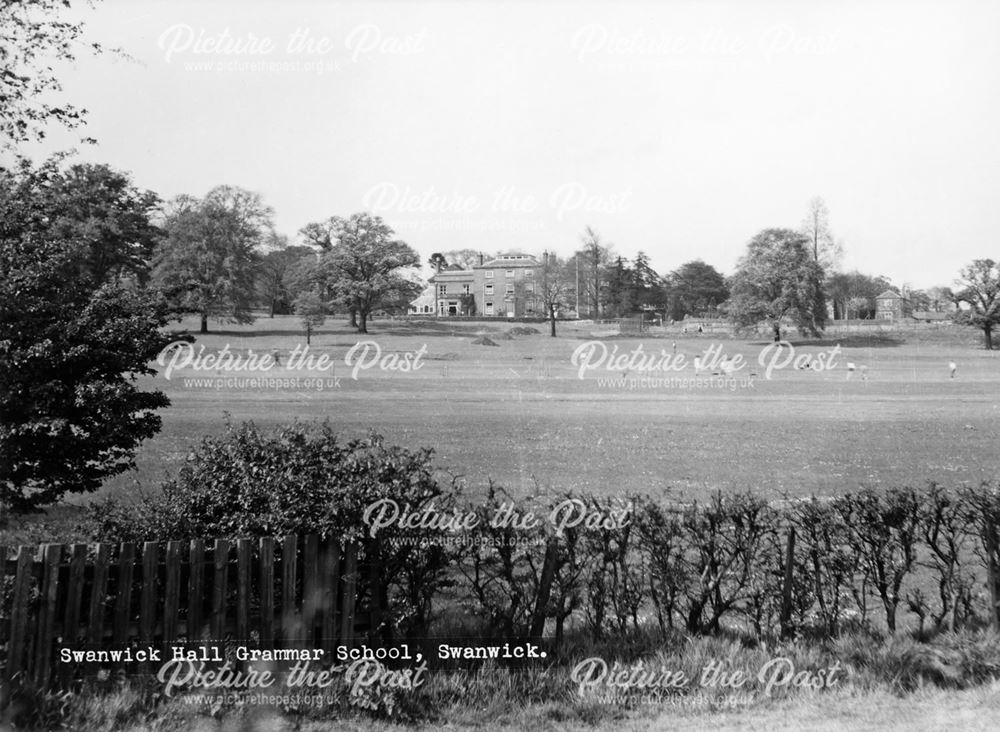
{"points": [[677, 128]]}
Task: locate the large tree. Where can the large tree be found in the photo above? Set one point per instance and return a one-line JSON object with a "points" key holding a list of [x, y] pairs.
{"points": [[274, 275], [364, 267], [979, 287], [696, 288], [207, 263], [71, 412], [778, 278], [591, 265], [104, 213]]}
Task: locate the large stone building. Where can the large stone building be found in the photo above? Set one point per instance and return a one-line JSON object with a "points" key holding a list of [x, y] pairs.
{"points": [[506, 286]]}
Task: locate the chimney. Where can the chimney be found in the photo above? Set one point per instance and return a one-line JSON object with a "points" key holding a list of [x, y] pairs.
{"points": [[480, 259]]}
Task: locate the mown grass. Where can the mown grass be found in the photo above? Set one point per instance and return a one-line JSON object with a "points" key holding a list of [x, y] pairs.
{"points": [[519, 414]]}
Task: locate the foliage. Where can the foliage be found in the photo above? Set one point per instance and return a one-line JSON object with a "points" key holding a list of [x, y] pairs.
{"points": [[363, 266], [299, 479], [592, 262], [883, 533], [276, 283], [696, 288], [311, 310], [207, 263], [776, 279], [979, 285], [70, 348], [34, 38], [854, 293]]}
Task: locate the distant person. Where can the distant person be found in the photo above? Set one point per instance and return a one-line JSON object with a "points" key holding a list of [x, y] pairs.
{"points": [[674, 346], [700, 329], [952, 367], [850, 369], [276, 355]]}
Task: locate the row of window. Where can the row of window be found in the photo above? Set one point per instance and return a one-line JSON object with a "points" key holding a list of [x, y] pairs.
{"points": [[508, 289], [509, 273]]}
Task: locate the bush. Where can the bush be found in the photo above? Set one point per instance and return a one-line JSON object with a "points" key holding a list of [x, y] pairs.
{"points": [[298, 479]]}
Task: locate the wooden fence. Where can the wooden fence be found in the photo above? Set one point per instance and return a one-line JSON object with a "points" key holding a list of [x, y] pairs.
{"points": [[287, 592]]}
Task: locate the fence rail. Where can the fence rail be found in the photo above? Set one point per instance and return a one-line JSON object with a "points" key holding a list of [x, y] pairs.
{"points": [[292, 591]]}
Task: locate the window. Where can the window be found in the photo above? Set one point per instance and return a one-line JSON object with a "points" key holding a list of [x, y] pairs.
{"points": [[489, 289], [529, 273], [442, 290], [509, 289], [489, 308], [489, 274], [509, 273], [465, 289]]}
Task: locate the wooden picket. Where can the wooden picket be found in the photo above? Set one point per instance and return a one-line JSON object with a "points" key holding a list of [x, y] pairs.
{"points": [[157, 594]]}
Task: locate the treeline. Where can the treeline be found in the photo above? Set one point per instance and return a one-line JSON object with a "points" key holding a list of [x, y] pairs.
{"points": [[527, 567]]}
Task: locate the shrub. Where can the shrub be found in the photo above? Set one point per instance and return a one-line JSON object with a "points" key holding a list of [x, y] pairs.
{"points": [[298, 479]]}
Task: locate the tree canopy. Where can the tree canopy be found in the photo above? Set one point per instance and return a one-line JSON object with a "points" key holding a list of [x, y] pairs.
{"points": [[207, 262], [979, 287], [696, 288], [71, 348], [778, 278], [365, 268]]}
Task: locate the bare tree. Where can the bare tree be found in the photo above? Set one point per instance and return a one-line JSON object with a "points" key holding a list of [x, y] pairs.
{"points": [[557, 287], [816, 227]]}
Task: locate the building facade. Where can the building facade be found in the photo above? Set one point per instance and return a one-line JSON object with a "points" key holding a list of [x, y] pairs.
{"points": [[508, 286], [891, 306]]}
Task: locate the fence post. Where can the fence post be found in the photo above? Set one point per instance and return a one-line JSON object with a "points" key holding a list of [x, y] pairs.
{"points": [[544, 588], [993, 575], [787, 631]]}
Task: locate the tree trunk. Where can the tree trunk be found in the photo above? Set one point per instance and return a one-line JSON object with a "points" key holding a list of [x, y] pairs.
{"points": [[309, 332], [552, 321], [363, 323], [777, 332], [354, 317], [204, 322], [787, 631], [988, 332], [273, 301]]}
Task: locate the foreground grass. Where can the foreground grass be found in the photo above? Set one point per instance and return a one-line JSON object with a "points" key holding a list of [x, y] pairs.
{"points": [[927, 709], [951, 682]]}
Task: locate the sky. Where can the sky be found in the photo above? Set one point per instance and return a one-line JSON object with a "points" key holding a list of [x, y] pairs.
{"points": [[680, 129]]}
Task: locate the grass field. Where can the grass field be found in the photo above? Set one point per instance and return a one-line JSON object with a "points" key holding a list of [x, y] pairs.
{"points": [[518, 413]]}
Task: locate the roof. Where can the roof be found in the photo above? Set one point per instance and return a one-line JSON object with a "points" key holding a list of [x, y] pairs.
{"points": [[510, 261], [452, 275], [889, 295]]}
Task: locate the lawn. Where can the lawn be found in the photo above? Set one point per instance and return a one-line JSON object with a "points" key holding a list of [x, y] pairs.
{"points": [[517, 413]]}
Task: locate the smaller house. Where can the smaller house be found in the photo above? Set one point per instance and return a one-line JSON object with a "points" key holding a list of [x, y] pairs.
{"points": [[890, 305]]}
